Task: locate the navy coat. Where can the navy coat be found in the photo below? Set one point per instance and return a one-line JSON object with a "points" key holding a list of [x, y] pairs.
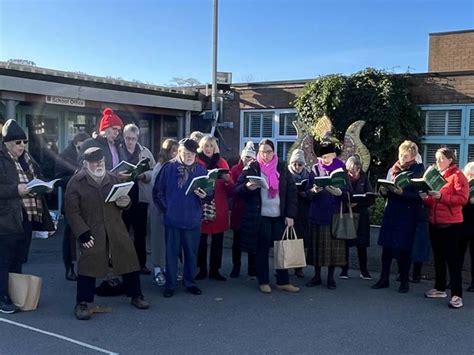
{"points": [[361, 186], [401, 215]]}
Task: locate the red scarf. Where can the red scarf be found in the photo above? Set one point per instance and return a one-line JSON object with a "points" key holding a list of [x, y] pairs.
{"points": [[397, 167]]}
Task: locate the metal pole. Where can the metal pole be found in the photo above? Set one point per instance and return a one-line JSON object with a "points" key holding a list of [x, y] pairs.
{"points": [[214, 68]]}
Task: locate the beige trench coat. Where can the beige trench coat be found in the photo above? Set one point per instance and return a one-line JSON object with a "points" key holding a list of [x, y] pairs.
{"points": [[86, 212]]}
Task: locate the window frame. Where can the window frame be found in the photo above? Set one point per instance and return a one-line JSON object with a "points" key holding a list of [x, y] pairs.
{"points": [[463, 140], [276, 137]]}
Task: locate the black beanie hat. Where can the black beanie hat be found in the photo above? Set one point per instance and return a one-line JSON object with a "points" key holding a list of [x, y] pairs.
{"points": [[12, 131], [189, 144], [268, 142], [326, 148], [93, 154]]}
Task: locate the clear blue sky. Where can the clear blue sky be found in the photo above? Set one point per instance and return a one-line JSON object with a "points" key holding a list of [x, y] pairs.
{"points": [[259, 40]]}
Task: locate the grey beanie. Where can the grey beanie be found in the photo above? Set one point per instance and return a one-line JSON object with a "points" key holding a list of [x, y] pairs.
{"points": [[248, 151], [297, 156]]}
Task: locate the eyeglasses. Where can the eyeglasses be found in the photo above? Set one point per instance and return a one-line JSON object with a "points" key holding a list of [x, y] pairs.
{"points": [[24, 141], [298, 164], [266, 151]]}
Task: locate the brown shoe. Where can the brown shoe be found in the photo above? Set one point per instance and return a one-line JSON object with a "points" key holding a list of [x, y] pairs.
{"points": [[139, 302], [81, 311], [265, 288], [288, 288]]}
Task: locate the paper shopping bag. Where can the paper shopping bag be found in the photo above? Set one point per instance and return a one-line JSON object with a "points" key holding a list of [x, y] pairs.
{"points": [[24, 290], [288, 252]]}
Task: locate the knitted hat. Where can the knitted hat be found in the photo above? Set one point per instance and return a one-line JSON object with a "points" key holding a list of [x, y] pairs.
{"points": [[297, 156], [326, 148], [109, 119], [189, 144], [93, 154], [267, 142], [12, 131], [248, 151]]}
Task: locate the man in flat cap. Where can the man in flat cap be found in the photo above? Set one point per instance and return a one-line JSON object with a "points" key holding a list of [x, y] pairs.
{"points": [[182, 214], [103, 237]]}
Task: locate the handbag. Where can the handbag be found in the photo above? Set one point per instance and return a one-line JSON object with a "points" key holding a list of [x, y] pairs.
{"points": [[24, 290], [288, 252], [344, 225]]}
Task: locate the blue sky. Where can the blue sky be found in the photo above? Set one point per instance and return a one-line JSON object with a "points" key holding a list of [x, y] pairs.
{"points": [[259, 40]]}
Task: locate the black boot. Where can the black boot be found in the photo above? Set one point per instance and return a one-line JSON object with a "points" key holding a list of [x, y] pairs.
{"points": [[316, 280], [235, 271], [331, 283], [215, 275], [404, 287], [381, 283], [202, 274]]}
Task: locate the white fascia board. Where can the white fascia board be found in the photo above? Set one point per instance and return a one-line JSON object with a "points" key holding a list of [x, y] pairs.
{"points": [[31, 86]]}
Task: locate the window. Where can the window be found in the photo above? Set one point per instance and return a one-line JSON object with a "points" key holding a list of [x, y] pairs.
{"points": [[442, 122], [258, 124], [471, 122], [286, 124], [450, 125], [283, 148], [470, 153], [274, 124]]}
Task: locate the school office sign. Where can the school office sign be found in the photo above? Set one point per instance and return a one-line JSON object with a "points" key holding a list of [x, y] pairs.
{"points": [[66, 101]]}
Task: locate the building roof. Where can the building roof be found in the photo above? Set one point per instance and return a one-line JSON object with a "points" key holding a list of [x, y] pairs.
{"points": [[26, 79], [450, 32]]}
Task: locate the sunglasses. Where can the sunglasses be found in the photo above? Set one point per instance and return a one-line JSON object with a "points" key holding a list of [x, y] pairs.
{"points": [[24, 141]]}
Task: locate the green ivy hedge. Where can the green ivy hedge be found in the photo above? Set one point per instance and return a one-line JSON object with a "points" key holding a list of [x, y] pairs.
{"points": [[380, 98]]}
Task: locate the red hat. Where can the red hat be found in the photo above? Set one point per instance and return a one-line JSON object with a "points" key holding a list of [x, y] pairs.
{"points": [[109, 119]]}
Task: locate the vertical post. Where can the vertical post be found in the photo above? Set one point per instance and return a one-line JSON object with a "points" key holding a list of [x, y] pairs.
{"points": [[214, 67]]}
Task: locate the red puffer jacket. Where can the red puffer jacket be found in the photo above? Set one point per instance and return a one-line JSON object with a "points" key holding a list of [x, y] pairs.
{"points": [[448, 209], [223, 189]]}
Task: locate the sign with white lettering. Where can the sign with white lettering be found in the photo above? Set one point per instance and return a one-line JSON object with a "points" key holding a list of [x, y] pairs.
{"points": [[224, 77], [66, 101]]}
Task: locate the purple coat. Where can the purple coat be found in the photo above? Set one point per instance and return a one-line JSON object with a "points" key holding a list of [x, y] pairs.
{"points": [[324, 204]]}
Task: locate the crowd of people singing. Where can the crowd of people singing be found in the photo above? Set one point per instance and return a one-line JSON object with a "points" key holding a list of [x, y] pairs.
{"points": [[109, 239]]}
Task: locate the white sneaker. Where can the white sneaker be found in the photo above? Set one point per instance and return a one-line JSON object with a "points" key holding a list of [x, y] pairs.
{"points": [[179, 276], [159, 279], [434, 293], [455, 302]]}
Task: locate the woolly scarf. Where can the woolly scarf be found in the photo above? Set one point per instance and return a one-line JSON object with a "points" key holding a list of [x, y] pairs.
{"points": [[270, 171], [211, 162], [298, 177], [183, 171], [398, 167], [327, 169], [32, 204]]}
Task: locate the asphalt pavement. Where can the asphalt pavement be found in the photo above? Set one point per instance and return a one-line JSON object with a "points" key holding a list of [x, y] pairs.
{"points": [[234, 317]]}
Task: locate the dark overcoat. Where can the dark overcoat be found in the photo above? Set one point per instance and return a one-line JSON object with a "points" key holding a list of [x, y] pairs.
{"points": [[252, 213], [401, 215], [87, 212], [11, 207], [361, 186]]}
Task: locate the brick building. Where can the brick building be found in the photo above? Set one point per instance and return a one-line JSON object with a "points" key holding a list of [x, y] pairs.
{"points": [[445, 96]]}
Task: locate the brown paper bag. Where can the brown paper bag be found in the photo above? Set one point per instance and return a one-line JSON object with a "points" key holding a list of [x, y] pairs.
{"points": [[288, 252], [24, 290]]}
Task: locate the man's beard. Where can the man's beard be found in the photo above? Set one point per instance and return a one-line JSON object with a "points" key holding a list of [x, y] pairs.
{"points": [[97, 175]]}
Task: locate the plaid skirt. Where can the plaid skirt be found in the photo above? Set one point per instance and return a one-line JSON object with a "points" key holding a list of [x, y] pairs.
{"points": [[323, 250]]}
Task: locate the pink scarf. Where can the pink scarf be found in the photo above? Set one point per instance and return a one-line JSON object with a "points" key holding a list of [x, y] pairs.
{"points": [[270, 171]]}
